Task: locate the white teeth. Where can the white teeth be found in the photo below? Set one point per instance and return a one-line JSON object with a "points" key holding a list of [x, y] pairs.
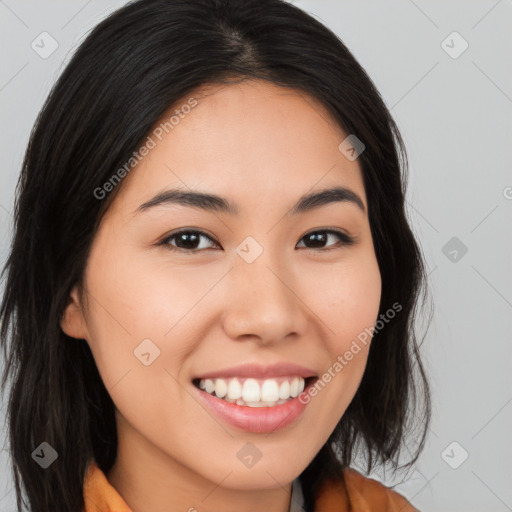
{"points": [[251, 391], [221, 388], [234, 389], [284, 390], [209, 386], [260, 404], [270, 391], [254, 393], [294, 387]]}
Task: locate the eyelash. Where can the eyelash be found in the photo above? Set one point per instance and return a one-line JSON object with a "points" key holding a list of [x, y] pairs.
{"points": [[344, 240]]}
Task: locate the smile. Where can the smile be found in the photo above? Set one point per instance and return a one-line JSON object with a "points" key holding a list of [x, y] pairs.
{"points": [[259, 406], [252, 392]]}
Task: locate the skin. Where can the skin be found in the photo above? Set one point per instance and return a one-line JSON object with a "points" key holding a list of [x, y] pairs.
{"points": [[262, 147]]}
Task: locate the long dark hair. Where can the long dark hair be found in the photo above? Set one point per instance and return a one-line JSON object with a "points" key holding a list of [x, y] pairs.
{"points": [[126, 74]]}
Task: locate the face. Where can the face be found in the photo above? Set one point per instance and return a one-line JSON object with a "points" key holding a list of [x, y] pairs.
{"points": [[250, 299]]}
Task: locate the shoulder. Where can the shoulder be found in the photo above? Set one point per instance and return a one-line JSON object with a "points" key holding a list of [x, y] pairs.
{"points": [[358, 493], [367, 492]]}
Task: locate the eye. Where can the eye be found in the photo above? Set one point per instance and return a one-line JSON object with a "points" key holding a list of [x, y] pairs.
{"points": [[188, 240], [320, 237]]}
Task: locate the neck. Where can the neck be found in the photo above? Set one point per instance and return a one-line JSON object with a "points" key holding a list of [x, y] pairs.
{"points": [[148, 479]]}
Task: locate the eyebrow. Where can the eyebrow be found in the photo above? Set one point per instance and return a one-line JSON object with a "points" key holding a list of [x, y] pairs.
{"points": [[214, 203]]}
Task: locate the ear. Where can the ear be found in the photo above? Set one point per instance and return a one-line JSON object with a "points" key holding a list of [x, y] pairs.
{"points": [[72, 320]]}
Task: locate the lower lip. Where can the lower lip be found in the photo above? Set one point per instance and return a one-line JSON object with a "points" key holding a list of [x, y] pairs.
{"points": [[254, 419]]}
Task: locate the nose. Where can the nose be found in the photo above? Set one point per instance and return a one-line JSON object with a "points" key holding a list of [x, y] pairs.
{"points": [[263, 302]]}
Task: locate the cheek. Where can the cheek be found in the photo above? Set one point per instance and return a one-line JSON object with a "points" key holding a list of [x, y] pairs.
{"points": [[133, 300], [349, 306], [347, 299]]}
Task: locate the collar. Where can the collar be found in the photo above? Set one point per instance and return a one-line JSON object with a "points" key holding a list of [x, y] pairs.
{"points": [[353, 493]]}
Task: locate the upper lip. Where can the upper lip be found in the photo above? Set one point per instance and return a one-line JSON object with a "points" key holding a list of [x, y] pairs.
{"points": [[260, 371]]}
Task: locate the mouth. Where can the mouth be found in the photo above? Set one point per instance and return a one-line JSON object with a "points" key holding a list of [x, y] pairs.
{"points": [[255, 392]]}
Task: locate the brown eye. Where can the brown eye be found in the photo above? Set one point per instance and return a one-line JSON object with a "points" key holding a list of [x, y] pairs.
{"points": [[194, 240], [318, 239], [187, 240]]}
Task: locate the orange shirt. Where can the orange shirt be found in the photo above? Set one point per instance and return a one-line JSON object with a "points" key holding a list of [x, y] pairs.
{"points": [[356, 493]]}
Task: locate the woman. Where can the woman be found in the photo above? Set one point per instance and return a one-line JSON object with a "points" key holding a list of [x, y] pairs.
{"points": [[212, 283]]}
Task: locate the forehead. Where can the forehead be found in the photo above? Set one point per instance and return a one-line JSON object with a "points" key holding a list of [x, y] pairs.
{"points": [[253, 141]]}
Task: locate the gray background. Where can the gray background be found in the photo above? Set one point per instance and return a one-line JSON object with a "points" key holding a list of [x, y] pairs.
{"points": [[455, 116]]}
